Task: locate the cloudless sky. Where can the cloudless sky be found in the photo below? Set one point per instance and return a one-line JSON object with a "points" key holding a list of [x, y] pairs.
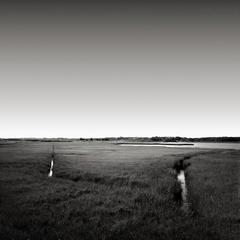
{"points": [[98, 69]]}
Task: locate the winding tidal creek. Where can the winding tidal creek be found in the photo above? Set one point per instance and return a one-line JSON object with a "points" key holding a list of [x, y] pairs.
{"points": [[50, 174], [51, 169], [182, 194], [182, 180]]}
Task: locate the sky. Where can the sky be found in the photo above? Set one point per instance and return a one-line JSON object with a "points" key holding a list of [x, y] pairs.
{"points": [[119, 68]]}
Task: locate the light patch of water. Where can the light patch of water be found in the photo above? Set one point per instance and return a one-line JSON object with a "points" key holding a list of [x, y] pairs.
{"points": [[156, 145], [182, 180], [51, 169], [187, 145]]}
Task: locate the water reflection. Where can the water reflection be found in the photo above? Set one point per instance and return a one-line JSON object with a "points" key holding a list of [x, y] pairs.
{"points": [[51, 169], [182, 180], [186, 145]]}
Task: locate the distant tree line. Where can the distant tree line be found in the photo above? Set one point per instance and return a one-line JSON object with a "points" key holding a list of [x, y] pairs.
{"points": [[203, 139], [129, 139]]}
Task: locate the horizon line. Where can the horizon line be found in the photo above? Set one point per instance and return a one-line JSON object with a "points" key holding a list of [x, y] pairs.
{"points": [[220, 136]]}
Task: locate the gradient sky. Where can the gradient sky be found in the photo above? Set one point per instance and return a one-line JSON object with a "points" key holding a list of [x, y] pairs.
{"points": [[119, 68]]}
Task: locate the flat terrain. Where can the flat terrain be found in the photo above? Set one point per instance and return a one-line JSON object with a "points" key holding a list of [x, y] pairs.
{"points": [[106, 191]]}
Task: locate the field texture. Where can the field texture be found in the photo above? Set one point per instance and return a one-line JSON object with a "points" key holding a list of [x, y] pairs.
{"points": [[107, 191]]}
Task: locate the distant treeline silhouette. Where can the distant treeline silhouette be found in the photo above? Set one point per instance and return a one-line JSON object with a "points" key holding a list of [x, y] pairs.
{"points": [[203, 139], [129, 139]]}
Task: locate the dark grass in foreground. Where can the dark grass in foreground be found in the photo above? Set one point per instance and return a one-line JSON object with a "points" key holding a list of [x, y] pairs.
{"points": [[105, 191], [214, 184]]}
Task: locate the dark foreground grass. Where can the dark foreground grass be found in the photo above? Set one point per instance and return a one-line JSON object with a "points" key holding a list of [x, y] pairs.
{"points": [[214, 184], [105, 191]]}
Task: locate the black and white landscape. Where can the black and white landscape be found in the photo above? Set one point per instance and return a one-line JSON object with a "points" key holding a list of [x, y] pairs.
{"points": [[119, 120]]}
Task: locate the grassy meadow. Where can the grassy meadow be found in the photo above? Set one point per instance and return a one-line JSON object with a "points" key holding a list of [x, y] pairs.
{"points": [[106, 191]]}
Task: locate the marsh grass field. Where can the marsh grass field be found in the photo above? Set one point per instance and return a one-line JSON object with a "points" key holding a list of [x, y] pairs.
{"points": [[102, 190]]}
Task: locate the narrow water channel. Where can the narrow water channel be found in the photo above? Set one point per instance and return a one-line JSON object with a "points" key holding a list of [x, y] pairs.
{"points": [[51, 169], [182, 180], [52, 162]]}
